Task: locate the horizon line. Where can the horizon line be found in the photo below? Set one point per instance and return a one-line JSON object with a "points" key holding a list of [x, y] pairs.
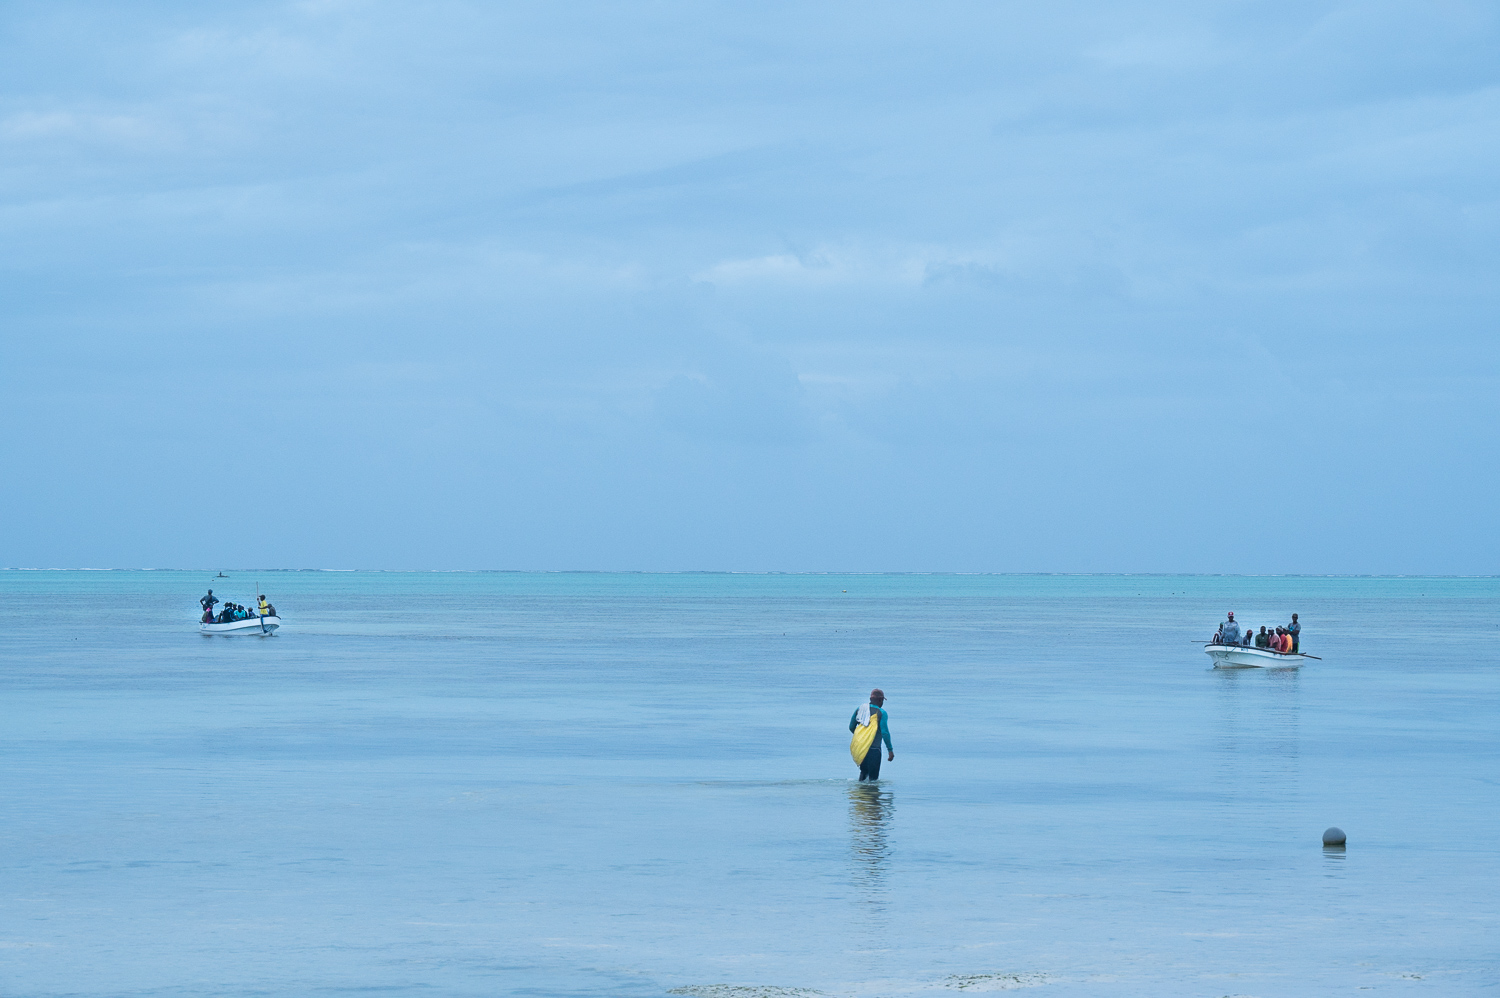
{"points": [[815, 572]]}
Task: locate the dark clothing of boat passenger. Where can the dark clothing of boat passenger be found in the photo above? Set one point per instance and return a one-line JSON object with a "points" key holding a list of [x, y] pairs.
{"points": [[1295, 630], [1248, 639], [1262, 640]]}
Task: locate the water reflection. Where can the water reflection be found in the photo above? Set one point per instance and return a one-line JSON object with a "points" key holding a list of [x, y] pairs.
{"points": [[871, 808], [1333, 865], [1259, 738]]}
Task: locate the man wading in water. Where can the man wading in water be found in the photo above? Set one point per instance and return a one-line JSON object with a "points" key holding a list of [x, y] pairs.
{"points": [[871, 726]]}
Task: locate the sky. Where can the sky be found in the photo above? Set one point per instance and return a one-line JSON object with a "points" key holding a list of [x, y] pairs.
{"points": [[814, 286]]}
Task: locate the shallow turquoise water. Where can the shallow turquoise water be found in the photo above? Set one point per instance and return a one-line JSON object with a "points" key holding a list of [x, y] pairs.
{"points": [[580, 784]]}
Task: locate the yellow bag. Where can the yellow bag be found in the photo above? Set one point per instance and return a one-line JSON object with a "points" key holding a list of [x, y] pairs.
{"points": [[859, 745]]}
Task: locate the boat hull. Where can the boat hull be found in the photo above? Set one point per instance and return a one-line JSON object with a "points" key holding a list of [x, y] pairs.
{"points": [[255, 625], [1241, 657]]}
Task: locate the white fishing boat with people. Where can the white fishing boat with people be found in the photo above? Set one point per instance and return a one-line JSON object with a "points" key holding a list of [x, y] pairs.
{"points": [[250, 625], [1275, 647], [1244, 657], [231, 618]]}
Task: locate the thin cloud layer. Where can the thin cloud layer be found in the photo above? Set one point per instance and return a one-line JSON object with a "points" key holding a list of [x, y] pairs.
{"points": [[972, 287]]}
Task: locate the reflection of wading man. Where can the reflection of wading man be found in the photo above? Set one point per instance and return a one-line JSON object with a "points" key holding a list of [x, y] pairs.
{"points": [[871, 726]]}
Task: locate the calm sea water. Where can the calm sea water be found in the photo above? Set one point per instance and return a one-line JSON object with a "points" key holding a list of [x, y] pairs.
{"points": [[577, 784]]}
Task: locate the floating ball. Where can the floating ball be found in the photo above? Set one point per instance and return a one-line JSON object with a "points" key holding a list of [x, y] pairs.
{"points": [[1333, 837]]}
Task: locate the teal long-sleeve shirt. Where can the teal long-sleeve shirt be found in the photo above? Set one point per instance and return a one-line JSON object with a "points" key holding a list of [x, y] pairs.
{"points": [[885, 725]]}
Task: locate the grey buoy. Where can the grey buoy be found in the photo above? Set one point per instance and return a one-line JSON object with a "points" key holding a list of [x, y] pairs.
{"points": [[1333, 837]]}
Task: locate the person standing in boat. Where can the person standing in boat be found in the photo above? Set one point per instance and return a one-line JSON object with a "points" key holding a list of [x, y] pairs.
{"points": [[870, 726], [1295, 630], [263, 606], [1229, 631], [207, 602]]}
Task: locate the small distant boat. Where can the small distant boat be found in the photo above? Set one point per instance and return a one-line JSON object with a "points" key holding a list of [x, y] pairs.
{"points": [[1249, 657], [251, 625]]}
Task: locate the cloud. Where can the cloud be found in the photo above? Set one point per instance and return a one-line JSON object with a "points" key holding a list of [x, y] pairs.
{"points": [[679, 267], [822, 267], [741, 397], [57, 124]]}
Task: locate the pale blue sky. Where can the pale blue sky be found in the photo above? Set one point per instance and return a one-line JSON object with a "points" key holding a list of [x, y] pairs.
{"points": [[1140, 286]]}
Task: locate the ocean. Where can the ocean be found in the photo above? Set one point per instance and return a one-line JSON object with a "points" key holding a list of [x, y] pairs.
{"points": [[578, 784]]}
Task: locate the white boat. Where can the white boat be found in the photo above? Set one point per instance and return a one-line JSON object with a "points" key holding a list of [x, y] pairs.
{"points": [[252, 625], [1250, 657]]}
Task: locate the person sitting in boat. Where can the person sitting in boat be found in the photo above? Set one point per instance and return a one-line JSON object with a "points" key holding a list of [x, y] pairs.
{"points": [[1280, 642], [1262, 640], [1249, 638], [1229, 631], [208, 616]]}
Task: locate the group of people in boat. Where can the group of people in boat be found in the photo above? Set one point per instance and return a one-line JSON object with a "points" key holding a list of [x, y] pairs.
{"points": [[230, 612], [1284, 640]]}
